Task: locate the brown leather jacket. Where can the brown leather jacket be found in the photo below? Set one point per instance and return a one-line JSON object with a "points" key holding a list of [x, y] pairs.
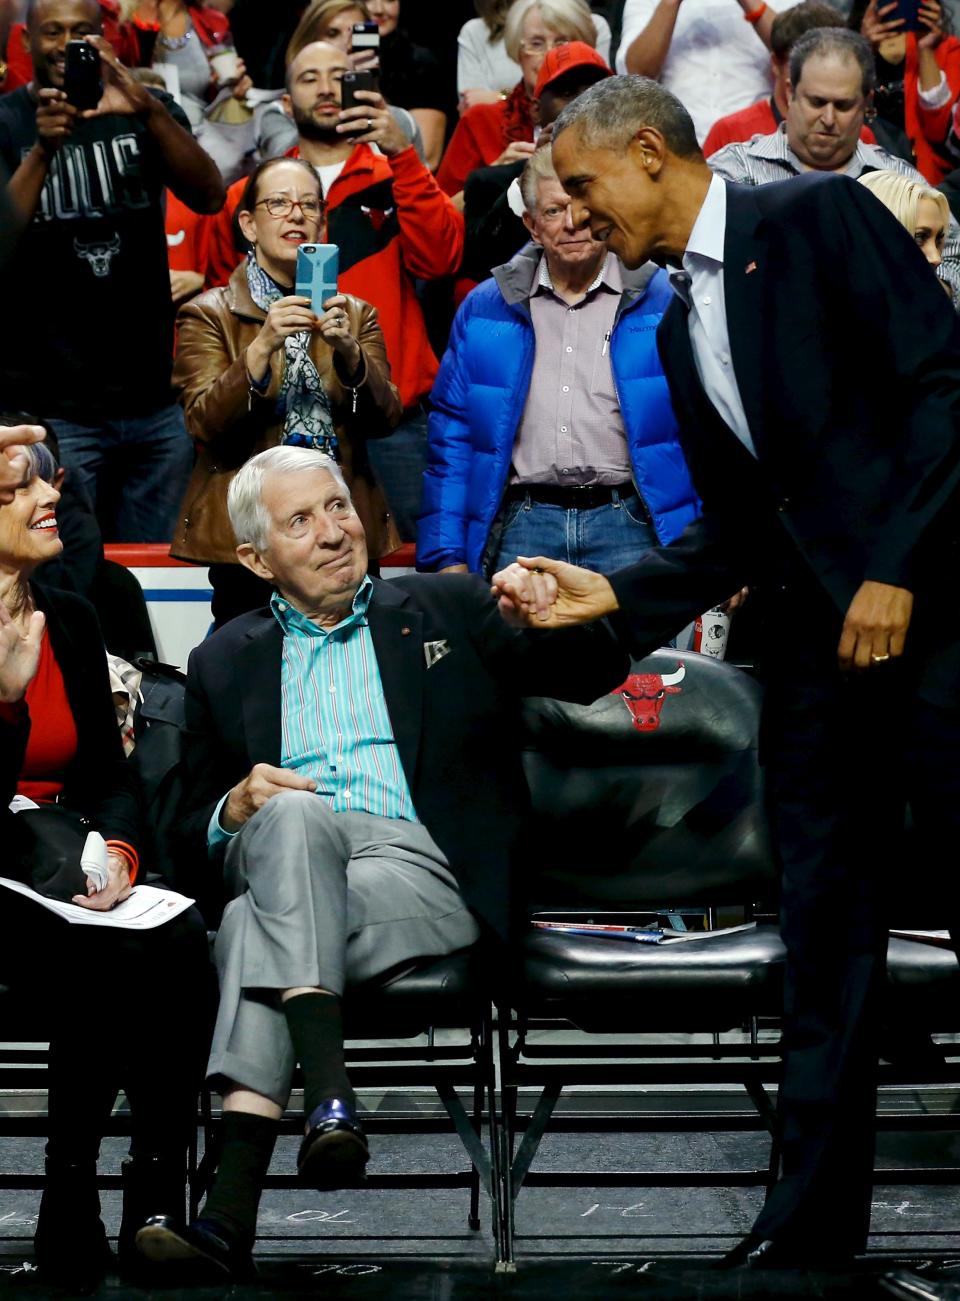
{"points": [[229, 422]]}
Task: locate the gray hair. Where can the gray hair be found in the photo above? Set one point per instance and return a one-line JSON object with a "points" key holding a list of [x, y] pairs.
{"points": [[43, 463], [539, 168], [840, 41], [610, 113], [248, 515]]}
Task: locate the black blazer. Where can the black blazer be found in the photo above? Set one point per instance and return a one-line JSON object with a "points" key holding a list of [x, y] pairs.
{"points": [[99, 783], [847, 357], [455, 724]]}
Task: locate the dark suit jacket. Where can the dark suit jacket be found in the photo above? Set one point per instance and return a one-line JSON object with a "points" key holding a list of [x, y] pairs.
{"points": [[847, 357], [455, 724], [99, 783]]}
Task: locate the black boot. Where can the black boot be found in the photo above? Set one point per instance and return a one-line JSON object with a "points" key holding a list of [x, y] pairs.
{"points": [[154, 1187], [70, 1241]]}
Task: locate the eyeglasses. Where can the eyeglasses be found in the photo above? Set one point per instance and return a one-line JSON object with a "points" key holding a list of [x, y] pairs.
{"points": [[278, 205], [540, 44]]}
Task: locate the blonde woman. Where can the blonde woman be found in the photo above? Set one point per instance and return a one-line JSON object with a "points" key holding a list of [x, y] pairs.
{"points": [[920, 209], [504, 131]]}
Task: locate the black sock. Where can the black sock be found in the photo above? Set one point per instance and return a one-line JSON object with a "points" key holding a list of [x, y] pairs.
{"points": [[248, 1143], [315, 1022]]}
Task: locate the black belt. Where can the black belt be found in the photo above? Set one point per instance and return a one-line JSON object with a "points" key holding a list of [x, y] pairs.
{"points": [[587, 497]]}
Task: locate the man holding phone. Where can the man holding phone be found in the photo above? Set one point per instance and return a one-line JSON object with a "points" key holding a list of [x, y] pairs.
{"points": [[393, 225], [89, 177]]}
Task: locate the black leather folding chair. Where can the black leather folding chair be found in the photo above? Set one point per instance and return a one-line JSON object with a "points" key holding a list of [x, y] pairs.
{"points": [[449, 993], [646, 801]]}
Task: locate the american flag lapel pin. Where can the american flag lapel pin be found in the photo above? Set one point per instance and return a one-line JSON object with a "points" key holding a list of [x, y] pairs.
{"points": [[751, 266]]}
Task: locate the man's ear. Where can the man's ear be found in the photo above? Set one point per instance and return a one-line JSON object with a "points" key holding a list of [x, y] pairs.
{"points": [[788, 90], [529, 223], [649, 147], [254, 562], [286, 103]]}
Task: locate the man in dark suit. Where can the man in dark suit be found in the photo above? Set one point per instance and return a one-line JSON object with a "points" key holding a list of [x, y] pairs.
{"points": [[352, 763], [814, 364]]}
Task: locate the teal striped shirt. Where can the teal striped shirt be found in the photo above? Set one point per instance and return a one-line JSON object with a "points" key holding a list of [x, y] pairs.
{"points": [[334, 725]]}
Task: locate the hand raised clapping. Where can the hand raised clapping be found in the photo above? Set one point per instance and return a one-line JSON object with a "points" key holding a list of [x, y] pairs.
{"points": [[19, 654]]}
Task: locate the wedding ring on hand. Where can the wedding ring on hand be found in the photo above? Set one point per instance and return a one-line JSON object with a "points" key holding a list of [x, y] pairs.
{"points": [[369, 123], [879, 659]]}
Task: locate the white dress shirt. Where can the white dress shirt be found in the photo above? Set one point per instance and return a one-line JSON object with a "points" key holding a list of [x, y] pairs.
{"points": [[707, 318], [716, 63]]}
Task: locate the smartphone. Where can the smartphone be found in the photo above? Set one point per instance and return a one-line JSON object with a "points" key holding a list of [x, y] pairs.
{"points": [[909, 11], [354, 81], [82, 82], [366, 36], [318, 266]]}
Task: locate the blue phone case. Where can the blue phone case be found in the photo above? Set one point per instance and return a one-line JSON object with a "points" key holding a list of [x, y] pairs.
{"points": [[317, 268]]}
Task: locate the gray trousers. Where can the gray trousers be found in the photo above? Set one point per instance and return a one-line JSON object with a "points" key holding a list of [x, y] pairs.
{"points": [[321, 899]]}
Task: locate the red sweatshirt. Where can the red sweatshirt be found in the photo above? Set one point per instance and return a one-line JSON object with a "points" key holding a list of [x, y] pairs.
{"points": [[393, 224]]}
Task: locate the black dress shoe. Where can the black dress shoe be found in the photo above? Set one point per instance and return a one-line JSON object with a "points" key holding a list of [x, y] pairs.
{"points": [[203, 1247], [334, 1152], [154, 1187], [766, 1253]]}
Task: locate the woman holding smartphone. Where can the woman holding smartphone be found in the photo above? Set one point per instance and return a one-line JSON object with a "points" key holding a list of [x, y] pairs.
{"points": [[257, 366]]}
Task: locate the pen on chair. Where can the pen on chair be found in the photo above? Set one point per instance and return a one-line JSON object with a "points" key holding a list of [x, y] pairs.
{"points": [[606, 340]]}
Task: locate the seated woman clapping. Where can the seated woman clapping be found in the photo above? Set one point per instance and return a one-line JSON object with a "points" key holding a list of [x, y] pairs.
{"points": [[257, 366], [122, 1009]]}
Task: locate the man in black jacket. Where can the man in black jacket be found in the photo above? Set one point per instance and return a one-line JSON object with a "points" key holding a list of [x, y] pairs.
{"points": [[352, 766], [814, 365]]}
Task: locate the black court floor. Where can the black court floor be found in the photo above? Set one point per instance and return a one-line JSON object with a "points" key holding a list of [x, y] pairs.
{"points": [[653, 1244]]}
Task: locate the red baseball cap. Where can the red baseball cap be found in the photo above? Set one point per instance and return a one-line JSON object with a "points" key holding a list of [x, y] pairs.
{"points": [[563, 59]]}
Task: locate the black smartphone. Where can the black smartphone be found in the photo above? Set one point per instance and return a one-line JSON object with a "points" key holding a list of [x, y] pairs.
{"points": [[82, 82], [352, 82], [366, 36], [909, 11]]}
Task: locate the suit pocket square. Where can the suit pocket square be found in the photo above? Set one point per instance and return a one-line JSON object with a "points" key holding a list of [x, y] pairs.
{"points": [[434, 651]]}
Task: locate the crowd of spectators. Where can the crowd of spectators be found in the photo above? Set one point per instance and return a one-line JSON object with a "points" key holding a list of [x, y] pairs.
{"points": [[420, 191]]}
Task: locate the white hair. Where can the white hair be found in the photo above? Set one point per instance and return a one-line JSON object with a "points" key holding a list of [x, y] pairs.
{"points": [[248, 515]]}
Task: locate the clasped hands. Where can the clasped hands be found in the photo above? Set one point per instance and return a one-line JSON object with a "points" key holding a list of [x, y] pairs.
{"points": [[536, 592]]}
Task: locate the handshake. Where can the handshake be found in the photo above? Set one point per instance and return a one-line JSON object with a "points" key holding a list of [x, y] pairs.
{"points": [[536, 592]]}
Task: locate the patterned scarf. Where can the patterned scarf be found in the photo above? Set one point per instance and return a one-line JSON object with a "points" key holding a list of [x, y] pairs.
{"points": [[308, 420]]}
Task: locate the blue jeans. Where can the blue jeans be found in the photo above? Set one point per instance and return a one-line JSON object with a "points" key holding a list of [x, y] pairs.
{"points": [[603, 539], [135, 470], [399, 463]]}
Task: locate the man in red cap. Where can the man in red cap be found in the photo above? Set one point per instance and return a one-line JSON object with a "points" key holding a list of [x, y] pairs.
{"points": [[495, 229]]}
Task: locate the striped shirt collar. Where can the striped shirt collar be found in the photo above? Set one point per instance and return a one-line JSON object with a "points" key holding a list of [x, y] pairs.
{"points": [[294, 623], [776, 148]]}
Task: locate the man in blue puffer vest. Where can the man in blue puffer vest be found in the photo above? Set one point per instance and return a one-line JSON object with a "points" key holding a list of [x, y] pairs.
{"points": [[551, 431]]}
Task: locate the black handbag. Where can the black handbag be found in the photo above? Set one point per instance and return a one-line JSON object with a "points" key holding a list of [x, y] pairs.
{"points": [[51, 840]]}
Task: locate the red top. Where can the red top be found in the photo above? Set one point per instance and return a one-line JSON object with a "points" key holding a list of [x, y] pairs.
{"points": [[52, 745], [481, 136], [758, 119], [383, 249], [928, 127]]}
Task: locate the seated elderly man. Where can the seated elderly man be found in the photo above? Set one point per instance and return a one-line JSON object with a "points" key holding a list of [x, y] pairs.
{"points": [[829, 92], [352, 761]]}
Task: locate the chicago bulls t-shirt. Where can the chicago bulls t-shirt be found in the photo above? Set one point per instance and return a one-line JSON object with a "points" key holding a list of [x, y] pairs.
{"points": [[87, 287]]}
